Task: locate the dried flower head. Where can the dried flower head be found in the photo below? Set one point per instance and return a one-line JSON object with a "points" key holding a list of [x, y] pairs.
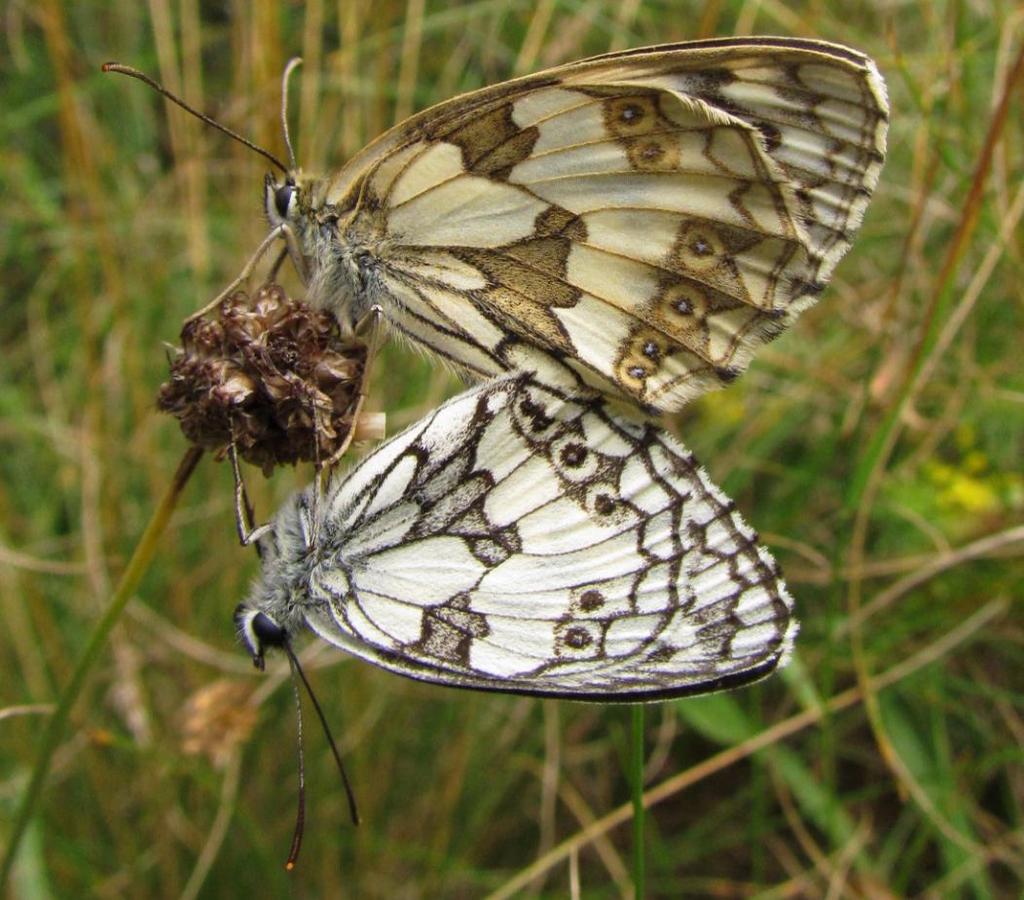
{"points": [[270, 372], [216, 719]]}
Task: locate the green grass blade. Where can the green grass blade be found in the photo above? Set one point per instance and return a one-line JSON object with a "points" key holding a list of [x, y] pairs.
{"points": [[637, 711], [145, 550]]}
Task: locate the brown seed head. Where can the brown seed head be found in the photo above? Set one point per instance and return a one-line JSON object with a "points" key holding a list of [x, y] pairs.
{"points": [[270, 371]]}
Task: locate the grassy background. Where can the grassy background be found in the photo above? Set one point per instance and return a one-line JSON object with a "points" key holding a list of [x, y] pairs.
{"points": [[877, 447]]}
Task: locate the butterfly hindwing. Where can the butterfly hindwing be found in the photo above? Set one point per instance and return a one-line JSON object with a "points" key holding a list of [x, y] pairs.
{"points": [[650, 216], [526, 537]]}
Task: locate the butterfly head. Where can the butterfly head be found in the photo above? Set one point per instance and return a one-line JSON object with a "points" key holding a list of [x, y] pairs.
{"points": [[288, 202], [258, 631], [281, 199], [273, 610], [257, 620]]}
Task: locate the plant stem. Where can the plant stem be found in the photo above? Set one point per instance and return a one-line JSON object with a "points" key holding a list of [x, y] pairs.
{"points": [[57, 724], [637, 779]]}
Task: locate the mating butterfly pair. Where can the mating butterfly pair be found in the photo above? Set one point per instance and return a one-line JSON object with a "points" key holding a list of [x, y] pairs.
{"points": [[625, 228]]}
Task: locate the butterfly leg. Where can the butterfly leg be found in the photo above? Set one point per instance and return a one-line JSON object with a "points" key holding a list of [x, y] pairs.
{"points": [[281, 231], [318, 480], [276, 267], [368, 323], [247, 534]]}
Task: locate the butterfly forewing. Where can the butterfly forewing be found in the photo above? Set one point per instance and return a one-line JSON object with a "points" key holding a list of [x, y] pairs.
{"points": [[525, 537], [651, 216]]}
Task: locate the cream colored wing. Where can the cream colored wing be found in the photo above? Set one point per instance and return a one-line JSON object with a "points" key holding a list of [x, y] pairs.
{"points": [[650, 216]]}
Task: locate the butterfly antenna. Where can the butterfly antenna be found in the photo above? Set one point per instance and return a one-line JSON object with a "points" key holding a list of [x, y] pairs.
{"points": [[300, 814], [160, 89], [352, 810], [293, 64]]}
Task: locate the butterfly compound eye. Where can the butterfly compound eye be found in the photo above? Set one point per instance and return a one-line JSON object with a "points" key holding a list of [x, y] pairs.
{"points": [[258, 631], [283, 198], [267, 631]]}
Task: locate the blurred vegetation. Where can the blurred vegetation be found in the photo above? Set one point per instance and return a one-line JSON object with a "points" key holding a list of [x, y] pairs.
{"points": [[877, 447]]}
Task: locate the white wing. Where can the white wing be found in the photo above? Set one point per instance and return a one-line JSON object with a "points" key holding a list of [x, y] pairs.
{"points": [[527, 538]]}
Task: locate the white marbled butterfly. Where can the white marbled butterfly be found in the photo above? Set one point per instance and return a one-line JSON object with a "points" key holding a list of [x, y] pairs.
{"points": [[649, 216], [527, 537]]}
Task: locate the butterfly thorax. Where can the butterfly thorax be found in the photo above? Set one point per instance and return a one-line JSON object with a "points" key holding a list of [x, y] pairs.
{"points": [[343, 245]]}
